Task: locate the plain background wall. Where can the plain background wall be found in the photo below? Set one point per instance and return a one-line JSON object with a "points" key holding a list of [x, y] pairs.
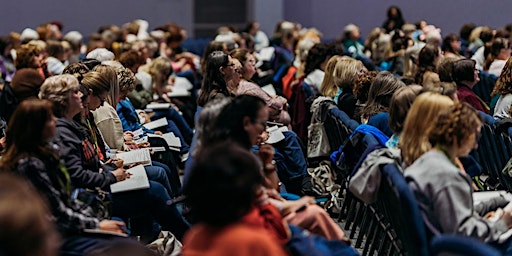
{"points": [[330, 16], [87, 15]]}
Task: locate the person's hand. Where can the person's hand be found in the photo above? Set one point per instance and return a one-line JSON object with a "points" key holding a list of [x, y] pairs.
{"points": [[131, 145], [144, 116], [266, 154], [143, 145], [171, 80], [297, 205], [121, 174], [158, 133], [2, 142], [263, 137], [507, 217], [118, 162], [284, 100], [113, 226], [128, 136]]}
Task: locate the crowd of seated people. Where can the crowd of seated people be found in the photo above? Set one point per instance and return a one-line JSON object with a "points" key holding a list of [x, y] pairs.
{"points": [[70, 104]]}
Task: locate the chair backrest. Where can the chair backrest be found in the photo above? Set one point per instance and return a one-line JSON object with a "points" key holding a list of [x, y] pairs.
{"points": [[484, 87], [338, 131], [460, 245], [485, 154], [403, 211]]}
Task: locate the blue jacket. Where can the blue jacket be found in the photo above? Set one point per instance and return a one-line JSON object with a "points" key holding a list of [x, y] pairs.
{"points": [[129, 117]]}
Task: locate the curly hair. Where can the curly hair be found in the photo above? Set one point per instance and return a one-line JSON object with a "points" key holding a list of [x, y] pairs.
{"points": [[504, 83], [56, 89], [362, 85], [25, 56], [454, 125], [126, 79], [76, 69]]}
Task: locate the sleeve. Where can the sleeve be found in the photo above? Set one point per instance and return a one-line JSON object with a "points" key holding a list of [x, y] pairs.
{"points": [[129, 119], [70, 147], [111, 129], [492, 204], [454, 208], [275, 103], [66, 217]]}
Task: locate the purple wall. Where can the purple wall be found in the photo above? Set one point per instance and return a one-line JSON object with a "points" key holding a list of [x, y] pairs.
{"points": [[330, 16], [87, 15]]}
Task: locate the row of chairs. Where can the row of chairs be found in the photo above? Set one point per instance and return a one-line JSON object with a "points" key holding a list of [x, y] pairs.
{"points": [[393, 225], [493, 152]]}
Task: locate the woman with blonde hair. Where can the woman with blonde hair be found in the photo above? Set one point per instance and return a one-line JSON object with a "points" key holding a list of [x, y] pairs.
{"points": [[413, 139], [327, 88], [444, 192], [160, 69], [345, 75]]}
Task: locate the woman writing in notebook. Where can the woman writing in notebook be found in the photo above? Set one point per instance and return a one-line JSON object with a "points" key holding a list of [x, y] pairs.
{"points": [[31, 154], [63, 92]]}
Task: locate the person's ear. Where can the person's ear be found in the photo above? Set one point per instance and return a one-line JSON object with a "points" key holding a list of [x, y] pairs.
{"points": [[222, 70], [246, 122]]}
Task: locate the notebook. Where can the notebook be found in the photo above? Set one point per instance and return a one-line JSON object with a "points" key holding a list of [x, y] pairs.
{"points": [[136, 156], [137, 180], [157, 123]]}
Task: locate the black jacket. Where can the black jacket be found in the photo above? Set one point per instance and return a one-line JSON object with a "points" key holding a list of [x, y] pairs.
{"points": [[79, 157]]}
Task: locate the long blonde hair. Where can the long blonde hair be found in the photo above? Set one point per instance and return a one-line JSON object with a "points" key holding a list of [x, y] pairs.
{"points": [[327, 87], [424, 110]]}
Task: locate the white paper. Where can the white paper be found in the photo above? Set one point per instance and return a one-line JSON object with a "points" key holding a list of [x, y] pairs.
{"points": [[156, 105], [170, 138], [178, 93], [137, 180], [266, 54], [136, 156], [141, 140], [157, 123], [275, 135], [269, 89], [283, 128], [138, 133], [158, 149]]}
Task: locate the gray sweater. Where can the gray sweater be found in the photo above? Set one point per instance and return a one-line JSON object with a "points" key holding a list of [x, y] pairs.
{"points": [[445, 196]]}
